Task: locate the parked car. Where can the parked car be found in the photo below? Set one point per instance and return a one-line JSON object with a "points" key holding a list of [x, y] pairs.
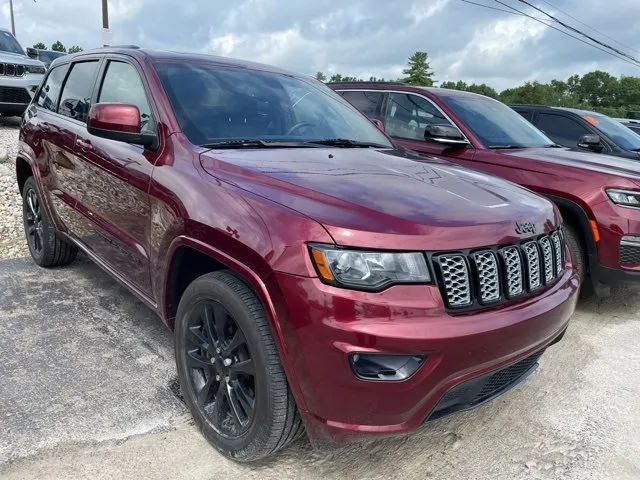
{"points": [[598, 195], [631, 124], [48, 56], [20, 75], [314, 274], [583, 130]]}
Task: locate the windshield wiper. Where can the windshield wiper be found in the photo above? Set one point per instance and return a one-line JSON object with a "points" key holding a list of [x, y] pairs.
{"points": [[346, 143], [504, 147], [251, 143], [553, 145]]}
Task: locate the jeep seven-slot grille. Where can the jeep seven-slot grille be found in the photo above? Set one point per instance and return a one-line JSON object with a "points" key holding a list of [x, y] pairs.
{"points": [[488, 276], [12, 70]]}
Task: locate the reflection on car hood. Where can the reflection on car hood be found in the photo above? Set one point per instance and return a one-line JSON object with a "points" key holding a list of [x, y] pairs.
{"points": [[385, 192]]}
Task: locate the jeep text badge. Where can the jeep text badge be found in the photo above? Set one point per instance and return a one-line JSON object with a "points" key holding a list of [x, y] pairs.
{"points": [[525, 227]]}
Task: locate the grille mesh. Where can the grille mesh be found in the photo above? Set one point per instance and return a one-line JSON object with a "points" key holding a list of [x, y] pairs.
{"points": [[455, 274], [547, 257], [499, 273], [513, 263], [487, 276], [629, 254]]}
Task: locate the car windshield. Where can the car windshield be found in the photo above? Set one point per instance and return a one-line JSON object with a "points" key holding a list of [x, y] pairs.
{"points": [[48, 56], [214, 104], [8, 43], [495, 124], [621, 135]]}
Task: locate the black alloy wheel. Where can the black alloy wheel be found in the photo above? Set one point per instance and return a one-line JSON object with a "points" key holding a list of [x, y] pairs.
{"points": [[221, 369]]}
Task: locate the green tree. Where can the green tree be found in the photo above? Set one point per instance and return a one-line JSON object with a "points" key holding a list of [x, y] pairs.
{"points": [[321, 76], [418, 71], [40, 46], [58, 47], [75, 49], [336, 77]]}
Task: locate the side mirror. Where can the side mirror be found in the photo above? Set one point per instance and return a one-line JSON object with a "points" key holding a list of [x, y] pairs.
{"points": [[590, 142], [446, 134], [32, 53], [120, 122], [378, 124]]}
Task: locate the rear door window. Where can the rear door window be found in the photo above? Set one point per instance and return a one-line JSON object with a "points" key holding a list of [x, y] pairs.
{"points": [[367, 102], [563, 130], [76, 94], [49, 93]]}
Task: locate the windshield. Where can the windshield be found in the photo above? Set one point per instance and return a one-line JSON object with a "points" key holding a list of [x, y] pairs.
{"points": [[495, 124], [218, 103], [8, 43], [621, 135], [48, 56]]}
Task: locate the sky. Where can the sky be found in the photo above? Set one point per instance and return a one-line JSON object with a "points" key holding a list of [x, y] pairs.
{"points": [[357, 38]]}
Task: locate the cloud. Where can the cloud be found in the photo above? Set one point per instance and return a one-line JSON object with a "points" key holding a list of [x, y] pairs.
{"points": [[362, 38]]}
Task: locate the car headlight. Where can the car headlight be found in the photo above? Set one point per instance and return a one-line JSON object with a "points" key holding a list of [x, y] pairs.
{"points": [[628, 198], [364, 270], [34, 69]]}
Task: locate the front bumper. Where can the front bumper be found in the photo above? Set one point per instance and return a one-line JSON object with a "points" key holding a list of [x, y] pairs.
{"points": [[328, 324], [17, 92]]}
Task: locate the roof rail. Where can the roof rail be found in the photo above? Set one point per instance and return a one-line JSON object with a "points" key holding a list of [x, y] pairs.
{"points": [[358, 82], [133, 47]]}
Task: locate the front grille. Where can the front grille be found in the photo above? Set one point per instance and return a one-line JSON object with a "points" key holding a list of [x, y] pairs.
{"points": [[630, 254], [476, 391], [14, 95], [487, 276], [12, 70]]}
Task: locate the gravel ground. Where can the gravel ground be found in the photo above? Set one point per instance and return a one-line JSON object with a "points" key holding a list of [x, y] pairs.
{"points": [[12, 241]]}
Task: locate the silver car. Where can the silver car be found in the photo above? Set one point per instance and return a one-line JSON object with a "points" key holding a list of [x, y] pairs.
{"points": [[20, 75]]}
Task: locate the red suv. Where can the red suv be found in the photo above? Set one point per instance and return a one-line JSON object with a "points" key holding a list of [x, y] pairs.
{"points": [[598, 195], [313, 273]]}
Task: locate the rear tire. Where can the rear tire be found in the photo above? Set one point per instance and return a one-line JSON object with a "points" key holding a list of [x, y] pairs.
{"points": [[46, 248], [230, 371]]}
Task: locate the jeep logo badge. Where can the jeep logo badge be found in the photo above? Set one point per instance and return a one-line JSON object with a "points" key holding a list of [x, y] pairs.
{"points": [[525, 227]]}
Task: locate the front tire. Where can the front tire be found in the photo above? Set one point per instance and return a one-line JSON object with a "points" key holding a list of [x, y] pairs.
{"points": [[230, 371], [578, 256], [46, 248]]}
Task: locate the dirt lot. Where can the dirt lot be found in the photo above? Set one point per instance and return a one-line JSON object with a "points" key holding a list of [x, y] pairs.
{"points": [[87, 391]]}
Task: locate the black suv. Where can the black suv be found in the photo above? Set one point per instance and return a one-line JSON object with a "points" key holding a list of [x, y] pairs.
{"points": [[583, 130]]}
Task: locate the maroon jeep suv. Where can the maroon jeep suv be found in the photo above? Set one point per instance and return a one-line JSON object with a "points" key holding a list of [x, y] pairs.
{"points": [[316, 277], [598, 195]]}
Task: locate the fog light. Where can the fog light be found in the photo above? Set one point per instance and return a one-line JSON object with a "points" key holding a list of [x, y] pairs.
{"points": [[374, 366]]}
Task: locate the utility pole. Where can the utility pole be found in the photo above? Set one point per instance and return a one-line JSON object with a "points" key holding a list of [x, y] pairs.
{"points": [[105, 23], [13, 24]]}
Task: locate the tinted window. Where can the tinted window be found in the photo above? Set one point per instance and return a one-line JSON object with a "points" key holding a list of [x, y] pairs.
{"points": [[495, 124], [621, 135], [122, 84], [526, 114], [49, 93], [48, 56], [562, 130], [76, 94], [214, 103], [8, 43], [408, 116], [634, 128], [366, 102]]}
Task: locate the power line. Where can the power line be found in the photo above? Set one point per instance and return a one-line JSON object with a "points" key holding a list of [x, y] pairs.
{"points": [[624, 58], [573, 29], [492, 8], [590, 28]]}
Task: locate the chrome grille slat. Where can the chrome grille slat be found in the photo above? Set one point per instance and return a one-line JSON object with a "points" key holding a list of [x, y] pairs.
{"points": [[533, 264], [513, 264], [455, 275], [557, 248], [488, 276], [547, 259]]}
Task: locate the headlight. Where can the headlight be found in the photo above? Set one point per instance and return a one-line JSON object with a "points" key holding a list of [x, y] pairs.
{"points": [[627, 198], [368, 270], [32, 69]]}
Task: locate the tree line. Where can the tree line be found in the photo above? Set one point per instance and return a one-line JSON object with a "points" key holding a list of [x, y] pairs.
{"points": [[57, 46], [597, 90]]}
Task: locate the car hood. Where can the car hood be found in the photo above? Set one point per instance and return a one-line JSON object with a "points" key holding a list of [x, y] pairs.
{"points": [[7, 57], [386, 199], [597, 162]]}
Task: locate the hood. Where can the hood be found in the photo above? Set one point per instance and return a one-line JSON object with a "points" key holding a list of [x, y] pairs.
{"points": [[20, 59], [596, 162], [384, 199]]}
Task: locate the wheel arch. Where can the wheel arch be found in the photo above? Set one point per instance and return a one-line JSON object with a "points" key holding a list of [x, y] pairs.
{"points": [[24, 170], [578, 217]]}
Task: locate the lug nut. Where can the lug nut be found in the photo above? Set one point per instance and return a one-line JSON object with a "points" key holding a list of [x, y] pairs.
{"points": [[217, 378], [227, 362], [213, 360]]}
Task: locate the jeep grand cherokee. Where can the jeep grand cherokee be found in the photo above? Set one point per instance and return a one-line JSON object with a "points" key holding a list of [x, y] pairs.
{"points": [[315, 275]]}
